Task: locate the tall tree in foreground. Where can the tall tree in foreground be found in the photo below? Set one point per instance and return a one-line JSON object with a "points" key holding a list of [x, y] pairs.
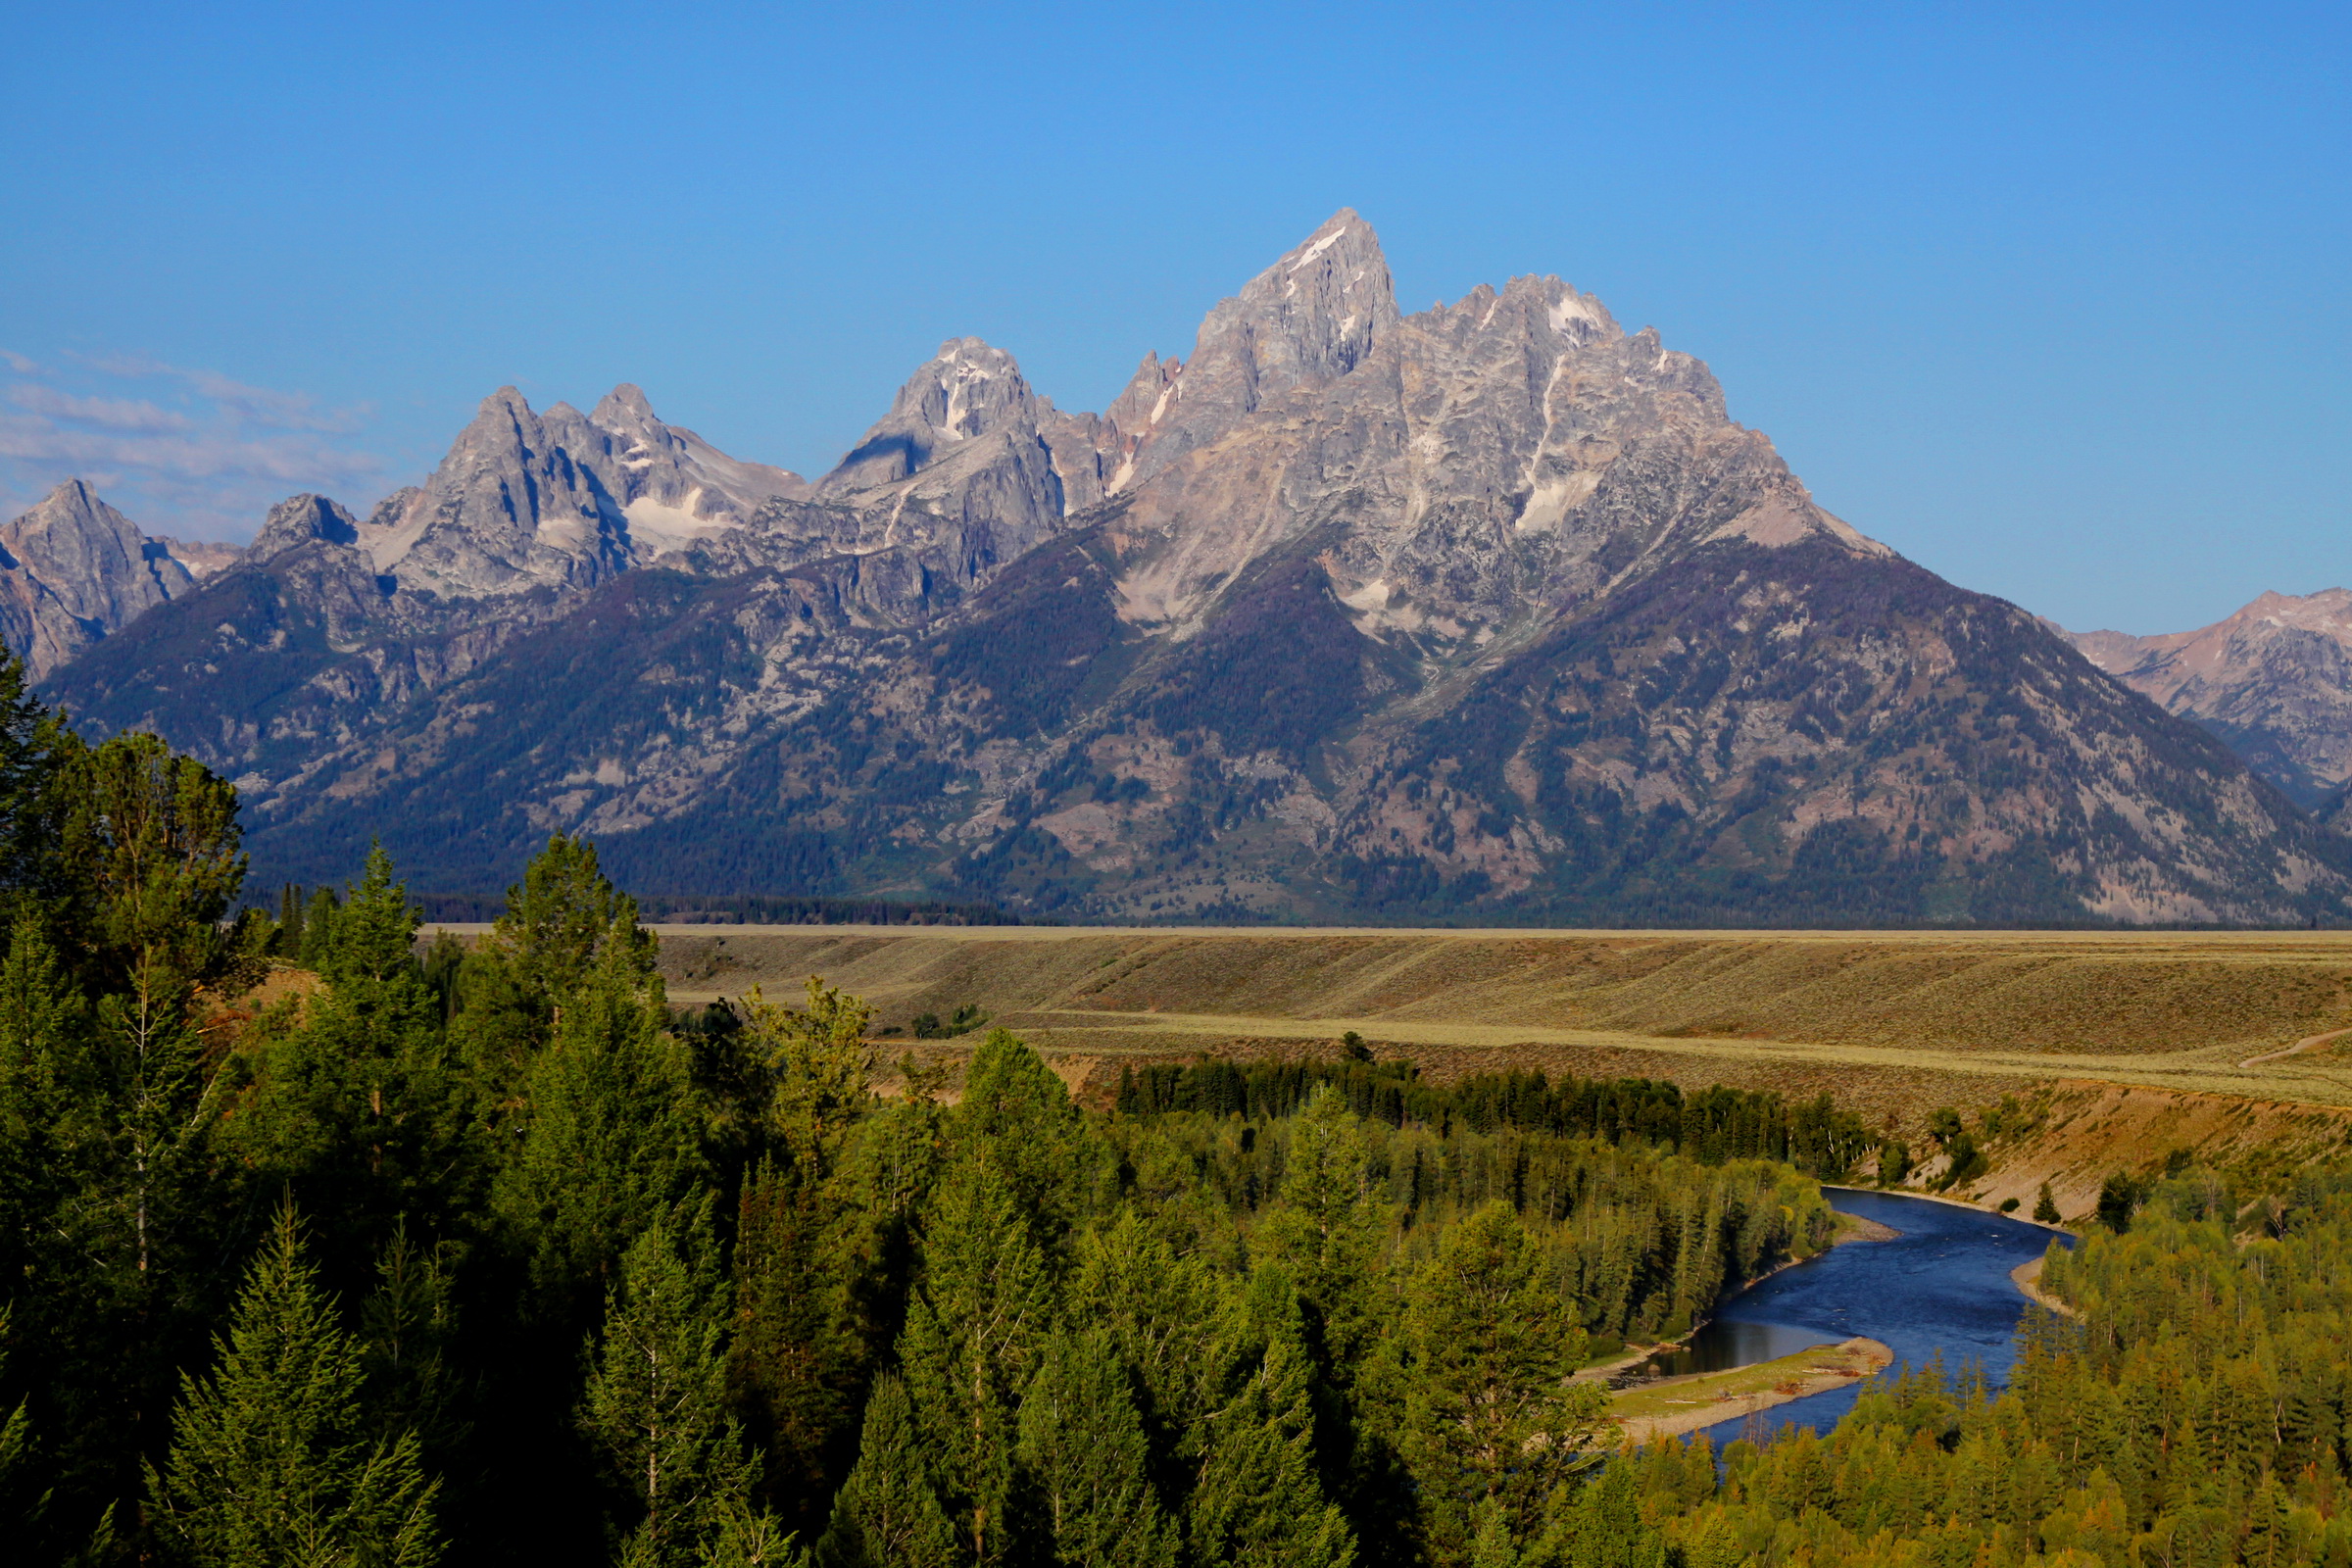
{"points": [[1081, 1446], [655, 1406], [271, 1464], [1490, 1413], [971, 1339], [1257, 1501], [887, 1513]]}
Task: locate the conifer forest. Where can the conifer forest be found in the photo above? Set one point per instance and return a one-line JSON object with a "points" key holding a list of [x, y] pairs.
{"points": [[485, 1254]]}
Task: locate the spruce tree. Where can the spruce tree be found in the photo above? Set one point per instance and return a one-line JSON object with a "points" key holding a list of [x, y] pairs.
{"points": [[1083, 1451], [271, 1461], [971, 1339], [1256, 1502], [888, 1513], [1018, 1116], [612, 1135], [2046, 1207], [656, 1404], [1490, 1411], [357, 1106], [793, 1363]]}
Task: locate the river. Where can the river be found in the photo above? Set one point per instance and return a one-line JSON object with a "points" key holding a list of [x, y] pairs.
{"points": [[1942, 1284]]}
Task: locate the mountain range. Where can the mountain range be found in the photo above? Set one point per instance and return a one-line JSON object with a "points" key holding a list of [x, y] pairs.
{"points": [[1488, 614]]}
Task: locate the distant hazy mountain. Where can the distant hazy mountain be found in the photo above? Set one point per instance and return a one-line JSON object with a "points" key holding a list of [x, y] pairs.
{"points": [[1490, 613], [2275, 681]]}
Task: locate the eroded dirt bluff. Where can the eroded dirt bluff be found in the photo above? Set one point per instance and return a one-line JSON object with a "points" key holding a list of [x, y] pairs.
{"points": [[1892, 1023]]}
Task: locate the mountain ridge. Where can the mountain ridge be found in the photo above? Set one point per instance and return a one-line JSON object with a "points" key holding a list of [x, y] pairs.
{"points": [[1487, 611]]}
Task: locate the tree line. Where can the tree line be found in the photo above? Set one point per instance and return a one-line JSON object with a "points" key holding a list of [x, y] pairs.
{"points": [[1712, 1125]]}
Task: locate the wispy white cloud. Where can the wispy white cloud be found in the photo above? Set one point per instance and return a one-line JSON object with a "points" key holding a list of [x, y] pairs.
{"points": [[115, 414], [290, 410], [199, 455]]}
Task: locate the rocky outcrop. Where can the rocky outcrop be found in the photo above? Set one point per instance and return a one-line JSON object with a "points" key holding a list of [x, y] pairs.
{"points": [[2273, 680], [73, 571]]}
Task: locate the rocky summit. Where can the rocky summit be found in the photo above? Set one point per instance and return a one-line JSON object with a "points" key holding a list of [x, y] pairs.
{"points": [[2275, 681], [1489, 614], [74, 570]]}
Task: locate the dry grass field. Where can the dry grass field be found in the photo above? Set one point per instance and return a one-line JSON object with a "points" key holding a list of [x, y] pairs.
{"points": [[2126, 1045], [1973, 1013]]}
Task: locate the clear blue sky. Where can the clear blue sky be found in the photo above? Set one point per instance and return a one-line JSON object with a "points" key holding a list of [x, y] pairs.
{"points": [[2051, 298]]}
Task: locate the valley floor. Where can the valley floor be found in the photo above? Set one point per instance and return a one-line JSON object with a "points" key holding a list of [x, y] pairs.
{"points": [[2124, 1046]]}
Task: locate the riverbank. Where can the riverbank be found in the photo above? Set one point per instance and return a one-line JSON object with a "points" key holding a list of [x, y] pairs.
{"points": [[1672, 1406], [1850, 1228], [2027, 1277]]}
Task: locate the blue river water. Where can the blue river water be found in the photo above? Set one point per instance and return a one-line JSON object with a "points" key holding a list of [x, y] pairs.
{"points": [[1942, 1284]]}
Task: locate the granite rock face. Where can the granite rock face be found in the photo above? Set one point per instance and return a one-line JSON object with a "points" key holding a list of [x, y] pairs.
{"points": [[74, 570], [1489, 612], [2274, 681]]}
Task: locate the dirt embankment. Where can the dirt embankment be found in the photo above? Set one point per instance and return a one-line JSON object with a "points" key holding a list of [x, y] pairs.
{"points": [[2087, 1131]]}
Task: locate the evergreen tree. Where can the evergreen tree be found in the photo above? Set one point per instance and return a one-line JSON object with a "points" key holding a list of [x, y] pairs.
{"points": [[970, 1343], [357, 1106], [611, 1134], [1491, 1412], [1082, 1447], [43, 1098], [272, 1462], [887, 1513], [655, 1403], [408, 1332], [563, 925], [793, 1362], [1256, 1502], [2046, 1207], [564, 919], [1493, 1547], [1016, 1116]]}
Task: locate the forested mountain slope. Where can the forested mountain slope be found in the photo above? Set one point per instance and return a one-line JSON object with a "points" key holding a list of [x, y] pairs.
{"points": [[1490, 613]]}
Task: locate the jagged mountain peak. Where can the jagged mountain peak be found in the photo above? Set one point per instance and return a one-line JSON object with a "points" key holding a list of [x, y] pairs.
{"points": [[302, 519], [624, 407], [1315, 315], [968, 389], [73, 570]]}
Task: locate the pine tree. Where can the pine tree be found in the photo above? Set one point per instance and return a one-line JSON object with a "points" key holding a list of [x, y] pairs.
{"points": [[792, 1363], [357, 1106], [1256, 1502], [560, 928], [971, 1339], [1016, 1116], [272, 1462], [1081, 1446], [656, 1402], [612, 1135], [43, 1098], [1490, 1413], [1493, 1547], [565, 919], [887, 1513], [2046, 1207]]}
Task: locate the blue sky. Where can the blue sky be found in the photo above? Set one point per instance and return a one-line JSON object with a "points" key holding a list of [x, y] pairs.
{"points": [[2051, 298]]}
